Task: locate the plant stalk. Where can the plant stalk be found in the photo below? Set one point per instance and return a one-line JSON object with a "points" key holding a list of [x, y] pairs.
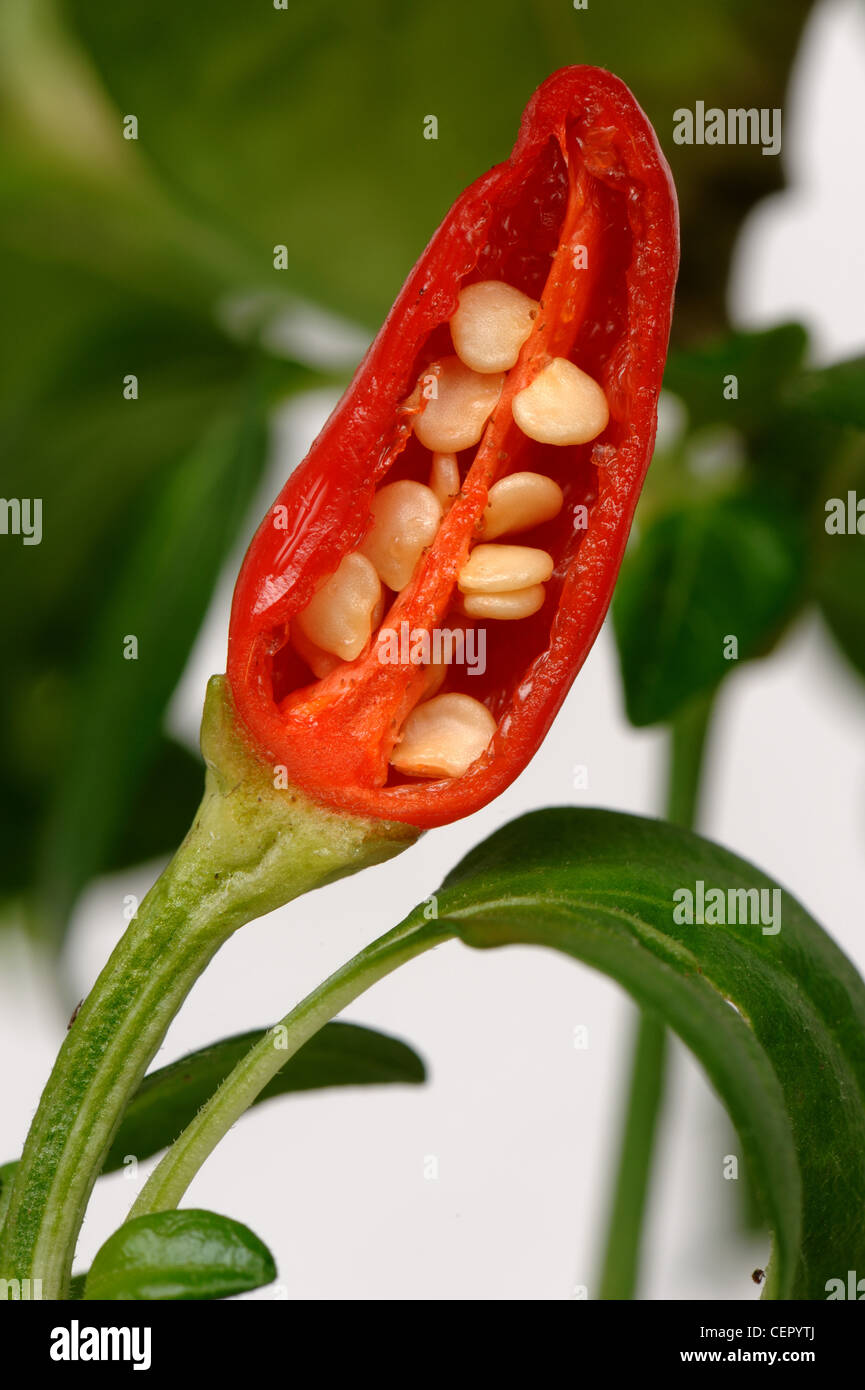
{"points": [[251, 849], [169, 1180], [620, 1268]]}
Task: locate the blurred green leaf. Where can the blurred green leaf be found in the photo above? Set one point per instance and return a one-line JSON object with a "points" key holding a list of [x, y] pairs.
{"points": [[304, 126], [836, 393], [702, 573], [98, 462], [73, 440], [104, 276], [793, 453], [722, 538], [150, 826], [179, 1255], [783, 444], [761, 362], [777, 1019], [95, 460], [75, 193], [341, 1054], [140, 646], [839, 563]]}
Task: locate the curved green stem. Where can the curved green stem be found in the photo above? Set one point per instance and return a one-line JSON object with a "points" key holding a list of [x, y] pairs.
{"points": [[252, 848], [689, 734], [642, 1110], [173, 1174], [621, 1262]]}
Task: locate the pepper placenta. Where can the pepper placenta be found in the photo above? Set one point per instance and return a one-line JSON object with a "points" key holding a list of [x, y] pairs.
{"points": [[512, 392]]}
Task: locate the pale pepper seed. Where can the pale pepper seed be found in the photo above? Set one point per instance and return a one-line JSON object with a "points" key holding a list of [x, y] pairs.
{"points": [[491, 323], [520, 502], [497, 569], [505, 607], [445, 734], [443, 737], [454, 418], [444, 479], [563, 405], [405, 518], [339, 616]]}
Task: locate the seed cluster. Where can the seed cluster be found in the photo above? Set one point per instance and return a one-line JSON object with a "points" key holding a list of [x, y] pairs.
{"points": [[445, 733]]}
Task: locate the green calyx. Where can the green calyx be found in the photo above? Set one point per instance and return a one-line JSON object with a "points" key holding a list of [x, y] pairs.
{"points": [[252, 847], [274, 842]]}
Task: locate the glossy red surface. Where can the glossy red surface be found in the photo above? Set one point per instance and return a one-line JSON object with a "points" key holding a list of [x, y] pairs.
{"points": [[587, 172]]}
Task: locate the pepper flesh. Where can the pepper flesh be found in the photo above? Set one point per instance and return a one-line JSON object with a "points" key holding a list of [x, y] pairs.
{"points": [[583, 219]]}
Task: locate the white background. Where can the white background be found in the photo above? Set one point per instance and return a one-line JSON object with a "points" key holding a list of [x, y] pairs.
{"points": [[523, 1124]]}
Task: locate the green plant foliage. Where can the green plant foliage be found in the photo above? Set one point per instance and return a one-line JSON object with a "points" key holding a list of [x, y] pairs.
{"points": [[777, 1019], [341, 1054], [179, 1255]]}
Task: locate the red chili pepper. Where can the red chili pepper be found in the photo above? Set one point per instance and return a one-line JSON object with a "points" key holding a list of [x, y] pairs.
{"points": [[583, 219]]}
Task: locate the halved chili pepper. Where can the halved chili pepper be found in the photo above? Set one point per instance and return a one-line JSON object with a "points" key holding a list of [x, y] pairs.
{"points": [[582, 221]]}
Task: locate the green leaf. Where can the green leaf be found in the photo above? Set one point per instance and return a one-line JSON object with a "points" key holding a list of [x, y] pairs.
{"points": [[179, 1255], [92, 456], [835, 393], [141, 645], [152, 826], [76, 194], [790, 422], [341, 1054], [839, 560], [777, 1020], [96, 462], [305, 126], [792, 454], [702, 573], [761, 362], [103, 466]]}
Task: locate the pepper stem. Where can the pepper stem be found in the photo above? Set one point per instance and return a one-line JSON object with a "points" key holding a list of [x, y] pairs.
{"points": [[169, 1180], [253, 846], [621, 1263]]}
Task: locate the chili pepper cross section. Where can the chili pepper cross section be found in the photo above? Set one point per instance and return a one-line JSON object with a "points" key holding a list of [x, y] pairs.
{"points": [[474, 488]]}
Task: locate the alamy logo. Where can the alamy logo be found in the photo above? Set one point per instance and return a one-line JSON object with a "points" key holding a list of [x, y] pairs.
{"points": [[77, 1343], [443, 646], [713, 907], [845, 518], [21, 516], [20, 1290], [854, 1288], [736, 126]]}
